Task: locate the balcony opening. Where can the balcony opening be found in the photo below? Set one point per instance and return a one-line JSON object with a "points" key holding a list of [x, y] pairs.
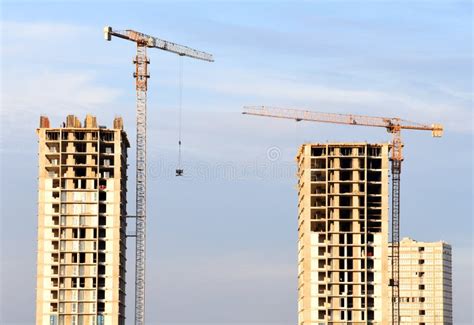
{"points": [[318, 152], [80, 159], [375, 152], [345, 175], [370, 315], [80, 172], [370, 265], [345, 226], [318, 226], [350, 304], [107, 136], [370, 289], [321, 314], [79, 135], [345, 188], [345, 162], [318, 163], [370, 301], [52, 136], [349, 251], [345, 201], [349, 239], [370, 251], [318, 189], [321, 264], [374, 176], [318, 214], [374, 163], [80, 147], [370, 276], [318, 201], [374, 189], [318, 176], [345, 214], [79, 184], [346, 151], [350, 264], [350, 289]]}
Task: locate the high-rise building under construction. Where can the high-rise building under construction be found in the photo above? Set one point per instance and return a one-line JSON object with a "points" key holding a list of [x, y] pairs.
{"points": [[343, 233], [425, 283], [81, 223]]}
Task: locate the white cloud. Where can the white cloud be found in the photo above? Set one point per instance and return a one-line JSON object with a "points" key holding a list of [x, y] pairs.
{"points": [[40, 31], [41, 74], [53, 93]]}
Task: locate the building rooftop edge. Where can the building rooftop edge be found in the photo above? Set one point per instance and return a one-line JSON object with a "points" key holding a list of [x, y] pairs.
{"points": [[72, 122], [411, 240], [90, 123], [359, 143]]}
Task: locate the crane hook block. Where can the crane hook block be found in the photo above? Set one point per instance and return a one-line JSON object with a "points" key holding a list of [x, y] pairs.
{"points": [[179, 172]]}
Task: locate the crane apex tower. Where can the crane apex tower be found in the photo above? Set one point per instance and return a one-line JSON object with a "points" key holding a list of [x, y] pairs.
{"points": [[343, 233], [141, 75], [81, 223]]}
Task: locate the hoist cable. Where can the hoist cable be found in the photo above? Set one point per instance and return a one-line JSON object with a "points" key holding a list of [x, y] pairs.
{"points": [[180, 107]]}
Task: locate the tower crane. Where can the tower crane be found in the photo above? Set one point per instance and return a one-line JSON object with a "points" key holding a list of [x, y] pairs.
{"points": [[141, 76], [393, 126]]}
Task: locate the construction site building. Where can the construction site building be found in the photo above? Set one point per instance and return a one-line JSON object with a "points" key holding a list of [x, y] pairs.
{"points": [[81, 223], [343, 233], [425, 283]]}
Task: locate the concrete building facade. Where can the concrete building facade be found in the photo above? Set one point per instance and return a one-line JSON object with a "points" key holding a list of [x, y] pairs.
{"points": [[343, 233], [425, 283], [81, 223]]}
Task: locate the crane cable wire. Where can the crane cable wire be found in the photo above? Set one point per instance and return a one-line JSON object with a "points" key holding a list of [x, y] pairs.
{"points": [[180, 108]]}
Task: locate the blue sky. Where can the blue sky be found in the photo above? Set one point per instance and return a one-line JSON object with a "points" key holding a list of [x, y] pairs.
{"points": [[222, 240]]}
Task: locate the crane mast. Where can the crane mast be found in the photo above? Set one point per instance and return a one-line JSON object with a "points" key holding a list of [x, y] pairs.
{"points": [[393, 126], [141, 76]]}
